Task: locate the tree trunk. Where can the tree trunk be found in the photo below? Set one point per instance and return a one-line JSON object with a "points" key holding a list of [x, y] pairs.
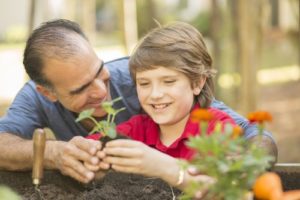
{"points": [[89, 18], [216, 33], [234, 18], [31, 16], [250, 40], [128, 23]]}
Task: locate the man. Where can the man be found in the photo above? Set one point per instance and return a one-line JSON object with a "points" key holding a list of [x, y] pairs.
{"points": [[67, 78]]}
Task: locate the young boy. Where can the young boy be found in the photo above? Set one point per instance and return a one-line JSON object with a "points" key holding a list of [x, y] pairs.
{"points": [[173, 74]]}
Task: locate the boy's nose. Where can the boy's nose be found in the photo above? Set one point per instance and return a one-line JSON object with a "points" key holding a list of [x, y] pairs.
{"points": [[157, 92]]}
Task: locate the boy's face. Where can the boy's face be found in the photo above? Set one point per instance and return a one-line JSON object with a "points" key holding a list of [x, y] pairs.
{"points": [[79, 83], [165, 94]]}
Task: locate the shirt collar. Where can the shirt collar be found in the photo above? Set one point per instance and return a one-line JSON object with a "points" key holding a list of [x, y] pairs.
{"points": [[191, 128]]}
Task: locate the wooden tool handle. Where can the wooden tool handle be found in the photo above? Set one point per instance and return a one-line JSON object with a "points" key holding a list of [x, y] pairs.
{"points": [[39, 141]]}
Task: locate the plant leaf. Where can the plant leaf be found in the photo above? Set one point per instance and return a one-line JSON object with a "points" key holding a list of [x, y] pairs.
{"points": [[111, 132], [85, 114], [107, 106]]}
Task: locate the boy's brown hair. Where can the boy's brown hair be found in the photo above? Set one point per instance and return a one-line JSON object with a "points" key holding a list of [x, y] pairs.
{"points": [[178, 46]]}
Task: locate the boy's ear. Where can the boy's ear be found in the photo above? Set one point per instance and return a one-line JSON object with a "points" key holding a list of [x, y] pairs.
{"points": [[198, 85], [46, 92]]}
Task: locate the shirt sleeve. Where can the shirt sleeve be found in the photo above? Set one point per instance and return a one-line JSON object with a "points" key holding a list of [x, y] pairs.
{"points": [[24, 115], [250, 130]]}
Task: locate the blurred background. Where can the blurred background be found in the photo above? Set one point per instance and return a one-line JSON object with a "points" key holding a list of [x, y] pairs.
{"points": [[254, 45]]}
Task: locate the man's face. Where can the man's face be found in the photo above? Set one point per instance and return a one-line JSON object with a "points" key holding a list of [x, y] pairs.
{"points": [[79, 82]]}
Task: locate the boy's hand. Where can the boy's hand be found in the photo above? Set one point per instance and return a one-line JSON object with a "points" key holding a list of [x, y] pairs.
{"points": [[131, 156]]}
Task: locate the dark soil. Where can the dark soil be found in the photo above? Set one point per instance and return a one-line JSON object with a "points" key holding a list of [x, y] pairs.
{"points": [[290, 180], [115, 186]]}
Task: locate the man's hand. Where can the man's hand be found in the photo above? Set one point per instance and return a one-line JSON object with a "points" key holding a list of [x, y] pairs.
{"points": [[69, 157]]}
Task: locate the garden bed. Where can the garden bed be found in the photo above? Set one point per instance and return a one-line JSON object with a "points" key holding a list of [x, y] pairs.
{"points": [[114, 185], [289, 174]]}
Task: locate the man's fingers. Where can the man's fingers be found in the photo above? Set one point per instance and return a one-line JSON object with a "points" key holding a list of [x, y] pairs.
{"points": [[69, 159], [87, 145], [78, 168], [74, 174], [104, 165], [91, 167], [101, 154], [79, 154]]}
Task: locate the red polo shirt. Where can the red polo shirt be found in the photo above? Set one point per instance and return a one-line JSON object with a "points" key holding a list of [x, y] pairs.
{"points": [[144, 129]]}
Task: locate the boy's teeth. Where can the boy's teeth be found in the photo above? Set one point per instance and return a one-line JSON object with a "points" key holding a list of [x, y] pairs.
{"points": [[160, 106]]}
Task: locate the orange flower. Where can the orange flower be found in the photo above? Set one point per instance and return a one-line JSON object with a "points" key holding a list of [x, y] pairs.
{"points": [[259, 116], [268, 187], [236, 132], [201, 114]]}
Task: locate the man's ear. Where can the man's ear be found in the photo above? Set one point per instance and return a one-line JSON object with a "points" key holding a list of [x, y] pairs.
{"points": [[198, 85], [46, 92]]}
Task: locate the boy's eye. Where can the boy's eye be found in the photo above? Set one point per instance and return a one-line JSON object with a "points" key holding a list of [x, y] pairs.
{"points": [[169, 81]]}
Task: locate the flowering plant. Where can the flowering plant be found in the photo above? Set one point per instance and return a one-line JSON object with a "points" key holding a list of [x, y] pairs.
{"points": [[227, 157], [105, 127]]}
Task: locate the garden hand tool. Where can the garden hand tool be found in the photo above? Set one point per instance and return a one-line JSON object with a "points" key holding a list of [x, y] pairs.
{"points": [[39, 142]]}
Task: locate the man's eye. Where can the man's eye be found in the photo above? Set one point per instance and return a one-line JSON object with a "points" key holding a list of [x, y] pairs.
{"points": [[143, 84]]}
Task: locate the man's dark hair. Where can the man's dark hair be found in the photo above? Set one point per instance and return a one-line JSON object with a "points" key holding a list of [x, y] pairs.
{"points": [[51, 39]]}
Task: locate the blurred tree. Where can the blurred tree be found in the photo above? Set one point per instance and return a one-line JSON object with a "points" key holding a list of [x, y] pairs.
{"points": [[146, 16], [232, 4], [31, 16], [202, 22], [250, 40], [88, 18], [83, 12], [274, 13], [128, 23], [216, 34]]}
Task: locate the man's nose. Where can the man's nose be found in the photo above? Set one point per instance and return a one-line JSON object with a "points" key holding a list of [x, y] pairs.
{"points": [[98, 89]]}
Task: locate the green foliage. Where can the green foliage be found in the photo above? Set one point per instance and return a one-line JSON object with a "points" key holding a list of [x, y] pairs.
{"points": [[232, 162], [7, 193], [202, 22], [105, 127]]}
